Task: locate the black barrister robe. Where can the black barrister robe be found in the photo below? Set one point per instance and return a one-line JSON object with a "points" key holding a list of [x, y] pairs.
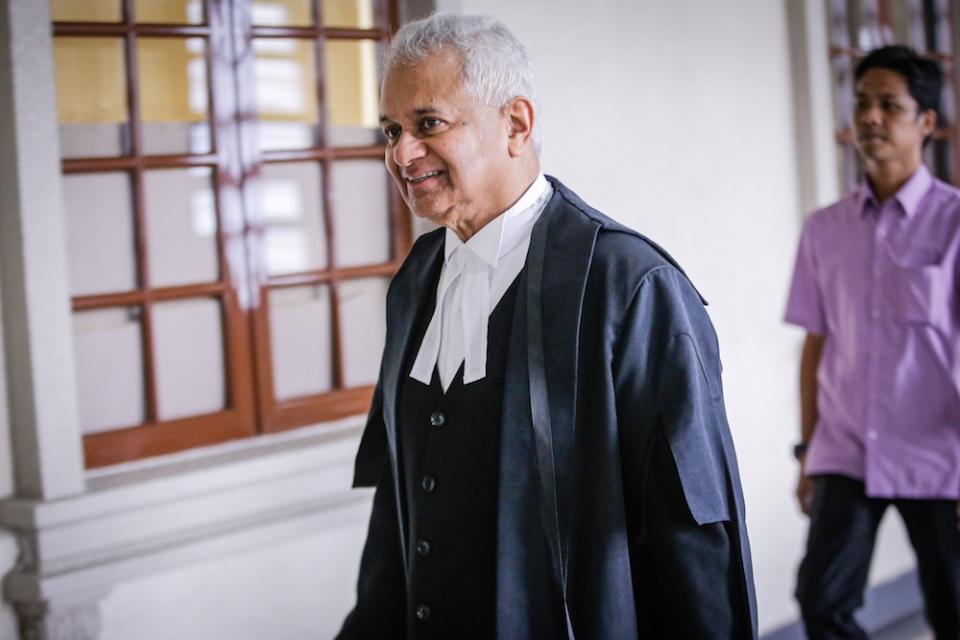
{"points": [[620, 512]]}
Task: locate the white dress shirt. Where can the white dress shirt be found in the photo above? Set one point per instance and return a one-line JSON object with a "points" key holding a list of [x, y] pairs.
{"points": [[475, 275]]}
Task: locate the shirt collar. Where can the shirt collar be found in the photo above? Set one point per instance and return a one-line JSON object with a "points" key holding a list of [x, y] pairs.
{"points": [[908, 196], [495, 238]]}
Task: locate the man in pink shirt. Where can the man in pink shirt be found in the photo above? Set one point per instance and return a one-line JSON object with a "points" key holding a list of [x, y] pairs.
{"points": [[876, 288]]}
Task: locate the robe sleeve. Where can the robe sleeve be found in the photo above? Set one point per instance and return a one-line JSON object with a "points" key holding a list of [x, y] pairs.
{"points": [[381, 587], [689, 554], [372, 453]]}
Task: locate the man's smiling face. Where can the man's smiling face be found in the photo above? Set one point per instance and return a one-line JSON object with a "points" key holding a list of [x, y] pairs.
{"points": [[446, 150]]}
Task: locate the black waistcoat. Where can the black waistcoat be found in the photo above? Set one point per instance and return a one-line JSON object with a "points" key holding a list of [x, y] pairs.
{"points": [[450, 445]]}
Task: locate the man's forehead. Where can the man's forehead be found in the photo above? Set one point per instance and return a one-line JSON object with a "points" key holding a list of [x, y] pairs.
{"points": [[881, 81], [429, 86]]}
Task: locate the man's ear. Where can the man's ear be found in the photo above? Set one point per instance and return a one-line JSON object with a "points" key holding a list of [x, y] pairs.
{"points": [[520, 120], [928, 121]]}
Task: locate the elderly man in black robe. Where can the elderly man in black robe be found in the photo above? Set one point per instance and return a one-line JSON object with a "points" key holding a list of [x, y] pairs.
{"points": [[548, 438]]}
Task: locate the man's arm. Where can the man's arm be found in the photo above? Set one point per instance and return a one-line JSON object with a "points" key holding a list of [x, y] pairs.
{"points": [[809, 364], [689, 553], [381, 586]]}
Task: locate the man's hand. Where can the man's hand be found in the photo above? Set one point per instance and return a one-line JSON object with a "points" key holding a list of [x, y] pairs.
{"points": [[804, 493], [809, 365]]}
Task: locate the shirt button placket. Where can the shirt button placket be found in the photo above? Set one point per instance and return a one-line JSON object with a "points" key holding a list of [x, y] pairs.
{"points": [[875, 330]]}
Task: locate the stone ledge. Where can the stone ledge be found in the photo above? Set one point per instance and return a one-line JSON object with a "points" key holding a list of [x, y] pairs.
{"points": [[142, 518]]}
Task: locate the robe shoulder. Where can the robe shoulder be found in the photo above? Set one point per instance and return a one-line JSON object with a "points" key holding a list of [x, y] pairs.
{"points": [[418, 258], [619, 251]]}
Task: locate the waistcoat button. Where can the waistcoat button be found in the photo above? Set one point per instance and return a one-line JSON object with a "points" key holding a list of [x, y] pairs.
{"points": [[437, 419], [428, 484], [423, 548], [423, 613]]}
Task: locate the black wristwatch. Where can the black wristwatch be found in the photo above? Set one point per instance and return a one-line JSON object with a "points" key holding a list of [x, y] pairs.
{"points": [[800, 449]]}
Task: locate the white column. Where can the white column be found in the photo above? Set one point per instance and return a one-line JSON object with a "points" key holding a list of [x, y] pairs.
{"points": [[45, 434], [813, 104], [76, 620]]}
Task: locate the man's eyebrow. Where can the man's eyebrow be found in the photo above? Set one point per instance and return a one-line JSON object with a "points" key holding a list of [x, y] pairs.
{"points": [[886, 95], [413, 114]]}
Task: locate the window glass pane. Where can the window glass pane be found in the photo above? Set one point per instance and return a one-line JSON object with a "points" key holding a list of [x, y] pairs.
{"points": [[300, 341], [348, 13], [938, 156], [903, 24], [173, 95], [181, 225], [361, 214], [281, 13], [363, 327], [941, 29], [291, 207], [188, 346], [91, 96], [100, 233], [108, 356], [353, 92], [85, 10], [168, 11], [286, 93], [843, 87]]}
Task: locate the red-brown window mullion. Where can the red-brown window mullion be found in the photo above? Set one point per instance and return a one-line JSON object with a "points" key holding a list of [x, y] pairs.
{"points": [[366, 152], [883, 16], [136, 297], [326, 276], [330, 232], [384, 15], [247, 166], [139, 218], [238, 373], [316, 32], [955, 133], [146, 319], [401, 233], [227, 301], [228, 173], [120, 29], [211, 93], [129, 163]]}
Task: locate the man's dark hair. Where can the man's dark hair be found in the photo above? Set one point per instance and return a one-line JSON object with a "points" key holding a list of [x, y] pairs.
{"points": [[924, 78]]}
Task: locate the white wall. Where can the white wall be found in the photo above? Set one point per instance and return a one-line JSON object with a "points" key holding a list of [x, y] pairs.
{"points": [[299, 588], [676, 118]]}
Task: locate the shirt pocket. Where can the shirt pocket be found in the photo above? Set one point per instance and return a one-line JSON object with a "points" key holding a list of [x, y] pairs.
{"points": [[921, 285]]}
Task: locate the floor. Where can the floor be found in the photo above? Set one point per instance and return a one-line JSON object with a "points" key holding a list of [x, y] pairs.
{"points": [[913, 628]]}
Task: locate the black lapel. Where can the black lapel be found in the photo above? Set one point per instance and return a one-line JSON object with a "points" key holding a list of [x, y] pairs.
{"points": [[558, 263], [412, 289]]}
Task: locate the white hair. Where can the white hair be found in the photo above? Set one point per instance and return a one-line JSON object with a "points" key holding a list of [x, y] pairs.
{"points": [[494, 64]]}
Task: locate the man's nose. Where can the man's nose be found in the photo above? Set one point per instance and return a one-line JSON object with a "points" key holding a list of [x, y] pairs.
{"points": [[869, 115], [407, 149]]}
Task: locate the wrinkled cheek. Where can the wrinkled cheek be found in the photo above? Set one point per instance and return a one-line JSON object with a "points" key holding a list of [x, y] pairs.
{"points": [[394, 176]]}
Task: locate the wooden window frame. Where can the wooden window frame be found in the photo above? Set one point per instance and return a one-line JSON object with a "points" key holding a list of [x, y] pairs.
{"points": [[234, 161]]}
